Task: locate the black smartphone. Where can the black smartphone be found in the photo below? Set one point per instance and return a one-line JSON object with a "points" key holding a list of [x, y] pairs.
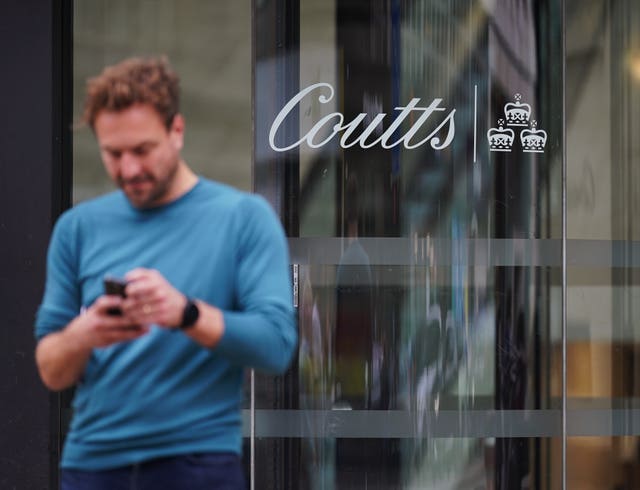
{"points": [[115, 286]]}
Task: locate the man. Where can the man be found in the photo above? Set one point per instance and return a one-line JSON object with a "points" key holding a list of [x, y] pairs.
{"points": [[158, 373]]}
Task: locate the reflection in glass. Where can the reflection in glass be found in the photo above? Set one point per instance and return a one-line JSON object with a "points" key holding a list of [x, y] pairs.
{"points": [[425, 293], [605, 462], [603, 120]]}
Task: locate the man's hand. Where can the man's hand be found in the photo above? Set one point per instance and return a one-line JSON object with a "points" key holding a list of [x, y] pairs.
{"points": [[152, 299], [97, 328], [62, 356]]}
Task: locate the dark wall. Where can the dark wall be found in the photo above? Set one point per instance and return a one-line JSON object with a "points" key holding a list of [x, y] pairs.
{"points": [[31, 196]]}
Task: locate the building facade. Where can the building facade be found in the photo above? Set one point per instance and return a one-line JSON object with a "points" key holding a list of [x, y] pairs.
{"points": [[457, 179]]}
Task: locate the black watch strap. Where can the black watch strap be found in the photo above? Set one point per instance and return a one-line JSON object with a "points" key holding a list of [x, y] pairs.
{"points": [[190, 315]]}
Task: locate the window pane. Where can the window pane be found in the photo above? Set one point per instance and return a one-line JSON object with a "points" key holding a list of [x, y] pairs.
{"points": [[428, 256], [603, 120], [208, 44]]}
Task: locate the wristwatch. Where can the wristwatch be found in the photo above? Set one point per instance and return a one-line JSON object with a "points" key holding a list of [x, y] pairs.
{"points": [[190, 315]]}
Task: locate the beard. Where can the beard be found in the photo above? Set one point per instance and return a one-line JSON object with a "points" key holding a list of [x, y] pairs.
{"points": [[149, 190]]}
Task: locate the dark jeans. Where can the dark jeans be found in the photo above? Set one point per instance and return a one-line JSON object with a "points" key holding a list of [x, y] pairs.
{"points": [[208, 471]]}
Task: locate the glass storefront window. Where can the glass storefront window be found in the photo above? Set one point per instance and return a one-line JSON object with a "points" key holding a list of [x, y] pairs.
{"points": [[209, 46], [427, 244], [603, 118], [414, 150]]}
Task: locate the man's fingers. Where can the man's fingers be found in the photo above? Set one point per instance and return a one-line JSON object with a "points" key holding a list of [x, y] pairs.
{"points": [[151, 299], [98, 328], [140, 308], [110, 322], [140, 276], [137, 274], [141, 288]]}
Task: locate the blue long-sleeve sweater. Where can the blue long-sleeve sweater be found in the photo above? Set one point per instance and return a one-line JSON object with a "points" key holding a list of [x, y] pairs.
{"points": [[164, 394]]}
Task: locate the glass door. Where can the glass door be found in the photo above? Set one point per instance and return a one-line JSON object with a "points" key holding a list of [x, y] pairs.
{"points": [[414, 150]]}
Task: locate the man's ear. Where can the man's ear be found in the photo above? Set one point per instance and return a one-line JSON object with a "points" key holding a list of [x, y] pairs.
{"points": [[176, 131]]}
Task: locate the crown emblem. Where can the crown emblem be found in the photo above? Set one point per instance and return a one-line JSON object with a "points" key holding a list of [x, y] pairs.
{"points": [[500, 139], [533, 140], [517, 113]]}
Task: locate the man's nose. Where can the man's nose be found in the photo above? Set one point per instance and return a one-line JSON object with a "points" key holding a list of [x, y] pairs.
{"points": [[129, 166]]}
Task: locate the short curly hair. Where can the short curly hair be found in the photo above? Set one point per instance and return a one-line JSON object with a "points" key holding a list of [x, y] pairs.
{"points": [[134, 81]]}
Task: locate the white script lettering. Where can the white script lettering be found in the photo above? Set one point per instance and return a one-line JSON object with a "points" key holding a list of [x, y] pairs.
{"points": [[351, 138]]}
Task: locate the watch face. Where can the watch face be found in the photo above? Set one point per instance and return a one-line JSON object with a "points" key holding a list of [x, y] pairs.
{"points": [[190, 315]]}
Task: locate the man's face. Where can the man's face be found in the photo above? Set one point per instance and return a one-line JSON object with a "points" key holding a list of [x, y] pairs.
{"points": [[140, 154]]}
